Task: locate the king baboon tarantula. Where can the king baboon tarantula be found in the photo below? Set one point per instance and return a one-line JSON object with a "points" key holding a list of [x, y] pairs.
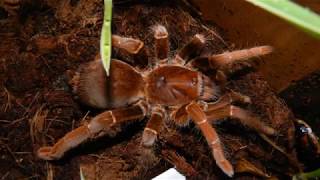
{"points": [[172, 88]]}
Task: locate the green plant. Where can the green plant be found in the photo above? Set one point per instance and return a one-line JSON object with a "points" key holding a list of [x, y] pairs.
{"points": [[105, 40], [307, 175], [286, 9]]}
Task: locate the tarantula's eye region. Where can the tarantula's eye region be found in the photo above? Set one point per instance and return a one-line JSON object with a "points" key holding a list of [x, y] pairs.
{"points": [[172, 85]]}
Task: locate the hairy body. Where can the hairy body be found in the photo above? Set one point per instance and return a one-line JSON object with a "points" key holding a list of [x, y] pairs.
{"points": [[172, 88]]}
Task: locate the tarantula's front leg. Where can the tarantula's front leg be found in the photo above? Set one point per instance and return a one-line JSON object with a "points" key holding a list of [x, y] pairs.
{"points": [[200, 119], [98, 126], [154, 126]]}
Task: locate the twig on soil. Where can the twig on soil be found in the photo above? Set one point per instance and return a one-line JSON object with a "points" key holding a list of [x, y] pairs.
{"points": [[268, 140], [37, 123], [57, 120], [8, 100], [179, 162], [278, 148], [4, 121], [5, 175], [21, 153], [63, 40], [191, 7], [17, 121], [83, 119], [49, 171], [213, 33], [31, 104], [91, 21], [13, 156], [31, 177], [245, 166]]}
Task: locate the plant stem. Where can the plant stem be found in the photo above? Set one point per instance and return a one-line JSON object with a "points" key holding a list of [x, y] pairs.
{"points": [[105, 40]]}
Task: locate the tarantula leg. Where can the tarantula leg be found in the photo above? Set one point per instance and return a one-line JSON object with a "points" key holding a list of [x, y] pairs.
{"points": [[180, 116], [190, 50], [98, 126], [153, 126], [219, 60], [161, 43], [130, 45], [134, 47], [223, 108], [227, 99], [222, 111], [221, 79], [200, 119]]}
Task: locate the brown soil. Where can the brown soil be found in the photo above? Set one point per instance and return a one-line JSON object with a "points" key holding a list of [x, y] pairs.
{"points": [[51, 39], [304, 98]]}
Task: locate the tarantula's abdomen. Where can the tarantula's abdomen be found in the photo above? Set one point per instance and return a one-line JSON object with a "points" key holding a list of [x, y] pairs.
{"points": [[175, 85], [122, 87]]}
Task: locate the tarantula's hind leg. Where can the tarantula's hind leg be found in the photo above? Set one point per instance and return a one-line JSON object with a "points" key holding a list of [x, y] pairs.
{"points": [[224, 109], [98, 126], [200, 119], [181, 117], [154, 126]]}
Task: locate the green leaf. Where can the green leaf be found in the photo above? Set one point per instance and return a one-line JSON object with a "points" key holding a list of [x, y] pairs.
{"points": [[105, 39], [307, 175], [301, 17]]}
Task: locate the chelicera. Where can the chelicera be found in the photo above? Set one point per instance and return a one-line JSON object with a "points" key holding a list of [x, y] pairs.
{"points": [[170, 89]]}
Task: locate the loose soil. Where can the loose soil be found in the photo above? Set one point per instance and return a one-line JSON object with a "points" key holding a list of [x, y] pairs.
{"points": [[41, 50]]}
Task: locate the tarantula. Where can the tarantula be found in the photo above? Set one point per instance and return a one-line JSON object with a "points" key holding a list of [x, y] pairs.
{"points": [[171, 88]]}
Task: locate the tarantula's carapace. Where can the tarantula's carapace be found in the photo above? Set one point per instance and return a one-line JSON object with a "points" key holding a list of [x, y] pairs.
{"points": [[172, 88]]}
